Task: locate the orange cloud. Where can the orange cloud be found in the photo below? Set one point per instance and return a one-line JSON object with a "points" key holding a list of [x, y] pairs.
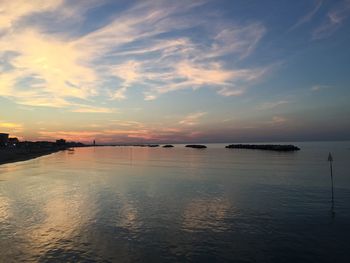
{"points": [[11, 127]]}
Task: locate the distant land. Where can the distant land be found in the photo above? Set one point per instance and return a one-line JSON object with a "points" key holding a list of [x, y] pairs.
{"points": [[13, 150]]}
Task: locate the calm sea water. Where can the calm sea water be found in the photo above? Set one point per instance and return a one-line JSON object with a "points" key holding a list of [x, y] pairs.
{"points": [[129, 204]]}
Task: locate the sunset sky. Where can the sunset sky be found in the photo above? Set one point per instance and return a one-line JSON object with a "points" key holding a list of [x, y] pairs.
{"points": [[175, 71]]}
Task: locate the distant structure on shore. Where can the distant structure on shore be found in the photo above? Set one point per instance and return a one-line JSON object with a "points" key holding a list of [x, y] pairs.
{"points": [[61, 142], [13, 142], [4, 137], [7, 142], [13, 150]]}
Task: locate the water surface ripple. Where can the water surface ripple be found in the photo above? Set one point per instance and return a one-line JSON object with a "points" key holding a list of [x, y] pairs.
{"points": [[129, 204]]}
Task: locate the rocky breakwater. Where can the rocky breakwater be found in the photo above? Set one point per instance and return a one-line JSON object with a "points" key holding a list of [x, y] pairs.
{"points": [[268, 147], [196, 146]]}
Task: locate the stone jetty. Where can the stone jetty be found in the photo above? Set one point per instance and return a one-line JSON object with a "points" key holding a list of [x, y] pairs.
{"points": [[268, 147]]}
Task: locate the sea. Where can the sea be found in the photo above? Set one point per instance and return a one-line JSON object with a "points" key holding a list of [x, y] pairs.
{"points": [[142, 204]]}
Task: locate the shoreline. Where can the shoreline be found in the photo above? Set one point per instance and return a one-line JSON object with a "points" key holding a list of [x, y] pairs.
{"points": [[12, 156]]}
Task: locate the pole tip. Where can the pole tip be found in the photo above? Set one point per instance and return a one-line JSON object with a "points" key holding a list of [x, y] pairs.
{"points": [[330, 157]]}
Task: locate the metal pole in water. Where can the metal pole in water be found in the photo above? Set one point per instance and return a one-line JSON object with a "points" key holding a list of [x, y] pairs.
{"points": [[330, 159]]}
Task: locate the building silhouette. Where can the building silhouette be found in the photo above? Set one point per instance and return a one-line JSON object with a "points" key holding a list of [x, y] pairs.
{"points": [[60, 142], [13, 142], [4, 138]]}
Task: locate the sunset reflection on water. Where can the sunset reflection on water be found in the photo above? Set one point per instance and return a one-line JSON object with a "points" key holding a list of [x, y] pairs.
{"points": [[129, 204]]}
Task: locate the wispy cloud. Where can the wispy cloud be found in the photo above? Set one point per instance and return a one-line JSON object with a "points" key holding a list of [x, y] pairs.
{"points": [[120, 94], [308, 17], [124, 135], [165, 65], [11, 127], [192, 119], [92, 109], [50, 68], [12, 11], [277, 120], [129, 131], [123, 123], [129, 73], [272, 105], [334, 19], [319, 87], [238, 39]]}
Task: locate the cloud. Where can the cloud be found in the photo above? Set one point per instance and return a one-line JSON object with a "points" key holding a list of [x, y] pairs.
{"points": [[149, 97], [146, 46], [92, 109], [11, 127], [113, 135], [124, 123], [45, 69], [319, 87], [277, 120], [51, 69], [239, 39], [272, 105], [129, 73], [190, 75], [192, 119], [12, 11], [308, 17], [119, 94], [164, 65], [126, 131], [333, 21]]}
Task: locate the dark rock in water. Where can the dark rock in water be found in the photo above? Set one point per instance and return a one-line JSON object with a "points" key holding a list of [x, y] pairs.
{"points": [[269, 147], [145, 145], [197, 146], [168, 146]]}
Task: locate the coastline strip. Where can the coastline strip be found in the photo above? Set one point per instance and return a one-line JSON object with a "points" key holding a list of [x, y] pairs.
{"points": [[13, 155]]}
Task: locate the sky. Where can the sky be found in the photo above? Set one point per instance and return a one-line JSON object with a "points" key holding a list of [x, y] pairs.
{"points": [[120, 71]]}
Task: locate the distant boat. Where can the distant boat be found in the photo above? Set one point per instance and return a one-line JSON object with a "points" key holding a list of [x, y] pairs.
{"points": [[70, 150]]}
